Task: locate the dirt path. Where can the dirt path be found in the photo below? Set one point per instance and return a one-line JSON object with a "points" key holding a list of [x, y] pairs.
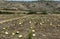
{"points": [[3, 21], [9, 20]]}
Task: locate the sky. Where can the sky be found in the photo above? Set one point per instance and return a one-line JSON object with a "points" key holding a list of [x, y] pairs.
{"points": [[28, 0], [22, 0]]}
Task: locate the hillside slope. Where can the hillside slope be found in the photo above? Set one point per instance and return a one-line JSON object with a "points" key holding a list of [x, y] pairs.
{"points": [[31, 6]]}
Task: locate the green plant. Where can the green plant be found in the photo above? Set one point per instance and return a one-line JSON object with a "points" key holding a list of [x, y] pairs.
{"points": [[31, 12], [56, 12], [8, 9], [30, 35], [6, 12], [44, 12]]}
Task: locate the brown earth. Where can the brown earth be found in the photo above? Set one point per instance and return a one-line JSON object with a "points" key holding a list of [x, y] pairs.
{"points": [[45, 26]]}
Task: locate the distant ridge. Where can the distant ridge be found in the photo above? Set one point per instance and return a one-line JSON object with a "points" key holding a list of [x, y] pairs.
{"points": [[37, 6]]}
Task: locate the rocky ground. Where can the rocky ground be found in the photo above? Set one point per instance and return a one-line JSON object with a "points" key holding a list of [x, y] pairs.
{"points": [[19, 26], [29, 26]]}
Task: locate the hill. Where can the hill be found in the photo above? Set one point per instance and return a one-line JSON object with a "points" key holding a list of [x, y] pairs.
{"points": [[22, 7]]}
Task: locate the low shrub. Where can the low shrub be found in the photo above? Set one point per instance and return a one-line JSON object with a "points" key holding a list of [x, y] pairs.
{"points": [[6, 12], [44, 12], [31, 12]]}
